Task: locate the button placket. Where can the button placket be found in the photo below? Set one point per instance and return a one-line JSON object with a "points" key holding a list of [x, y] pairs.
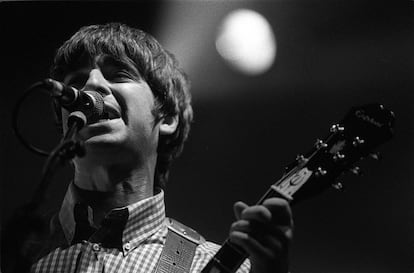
{"points": [[127, 246], [96, 247]]}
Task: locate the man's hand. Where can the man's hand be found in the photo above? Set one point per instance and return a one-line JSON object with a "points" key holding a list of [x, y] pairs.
{"points": [[264, 232]]}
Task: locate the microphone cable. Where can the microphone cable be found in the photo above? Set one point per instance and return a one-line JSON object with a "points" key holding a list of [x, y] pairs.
{"points": [[15, 117], [68, 148]]}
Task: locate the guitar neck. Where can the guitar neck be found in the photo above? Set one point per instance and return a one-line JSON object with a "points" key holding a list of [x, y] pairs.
{"points": [[227, 260]]}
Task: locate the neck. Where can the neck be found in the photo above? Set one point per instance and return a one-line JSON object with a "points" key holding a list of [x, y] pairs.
{"points": [[108, 187]]}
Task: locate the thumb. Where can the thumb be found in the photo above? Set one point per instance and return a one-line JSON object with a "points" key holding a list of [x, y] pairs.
{"points": [[238, 208]]}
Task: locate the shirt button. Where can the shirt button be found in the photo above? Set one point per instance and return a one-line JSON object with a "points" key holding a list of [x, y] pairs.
{"points": [[96, 247], [127, 246]]}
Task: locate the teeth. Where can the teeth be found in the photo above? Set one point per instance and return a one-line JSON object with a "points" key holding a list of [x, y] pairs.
{"points": [[109, 115], [111, 112]]}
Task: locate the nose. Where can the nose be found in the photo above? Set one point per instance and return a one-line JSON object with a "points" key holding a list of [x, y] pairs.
{"points": [[97, 82]]}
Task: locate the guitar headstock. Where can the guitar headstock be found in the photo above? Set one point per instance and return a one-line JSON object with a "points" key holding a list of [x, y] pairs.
{"points": [[350, 140]]}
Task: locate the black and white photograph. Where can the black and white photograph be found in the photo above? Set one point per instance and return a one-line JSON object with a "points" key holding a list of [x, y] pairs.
{"points": [[184, 136]]}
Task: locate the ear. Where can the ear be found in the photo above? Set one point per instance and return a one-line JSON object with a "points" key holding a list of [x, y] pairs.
{"points": [[168, 125]]}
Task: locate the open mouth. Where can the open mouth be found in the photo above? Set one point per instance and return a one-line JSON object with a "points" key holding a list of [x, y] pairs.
{"points": [[104, 117], [110, 112]]}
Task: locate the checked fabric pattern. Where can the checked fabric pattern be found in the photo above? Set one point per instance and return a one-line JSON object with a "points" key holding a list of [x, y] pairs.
{"points": [[130, 240]]}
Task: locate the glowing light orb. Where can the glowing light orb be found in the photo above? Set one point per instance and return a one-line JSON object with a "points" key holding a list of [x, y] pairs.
{"points": [[246, 41]]}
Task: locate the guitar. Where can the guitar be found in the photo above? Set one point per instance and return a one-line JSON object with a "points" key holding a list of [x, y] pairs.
{"points": [[352, 139]]}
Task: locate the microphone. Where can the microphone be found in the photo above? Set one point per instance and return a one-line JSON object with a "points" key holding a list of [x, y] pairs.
{"points": [[89, 103]]}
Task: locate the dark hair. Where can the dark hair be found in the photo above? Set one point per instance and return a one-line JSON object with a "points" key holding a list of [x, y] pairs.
{"points": [[158, 68]]}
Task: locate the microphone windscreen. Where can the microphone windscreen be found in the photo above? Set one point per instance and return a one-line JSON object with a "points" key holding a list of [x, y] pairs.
{"points": [[95, 109]]}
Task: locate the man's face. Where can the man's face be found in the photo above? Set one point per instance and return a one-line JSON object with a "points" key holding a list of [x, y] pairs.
{"points": [[130, 134]]}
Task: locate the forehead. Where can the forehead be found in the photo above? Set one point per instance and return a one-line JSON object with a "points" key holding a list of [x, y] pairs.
{"points": [[101, 60], [105, 62]]}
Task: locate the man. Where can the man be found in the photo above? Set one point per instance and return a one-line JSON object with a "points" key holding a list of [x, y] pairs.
{"points": [[112, 218]]}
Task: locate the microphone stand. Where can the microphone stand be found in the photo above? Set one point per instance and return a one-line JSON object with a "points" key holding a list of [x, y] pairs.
{"points": [[27, 224], [68, 148]]}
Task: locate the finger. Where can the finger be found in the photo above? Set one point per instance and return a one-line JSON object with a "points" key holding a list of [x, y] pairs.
{"points": [[274, 210], [253, 247], [238, 208], [280, 211], [263, 259], [256, 213], [241, 225], [267, 235]]}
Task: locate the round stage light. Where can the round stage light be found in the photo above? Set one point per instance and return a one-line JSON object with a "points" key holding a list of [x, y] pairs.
{"points": [[246, 41]]}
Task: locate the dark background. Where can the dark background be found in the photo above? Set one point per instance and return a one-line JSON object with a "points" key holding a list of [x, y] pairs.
{"points": [[331, 55]]}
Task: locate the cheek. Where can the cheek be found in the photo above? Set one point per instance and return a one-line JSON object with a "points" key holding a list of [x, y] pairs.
{"points": [[142, 125], [141, 119], [139, 108]]}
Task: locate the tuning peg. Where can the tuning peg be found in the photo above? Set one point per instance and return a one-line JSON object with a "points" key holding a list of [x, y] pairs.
{"points": [[300, 158], [356, 170], [337, 156], [320, 172], [375, 156], [338, 186], [358, 141], [320, 144], [337, 128]]}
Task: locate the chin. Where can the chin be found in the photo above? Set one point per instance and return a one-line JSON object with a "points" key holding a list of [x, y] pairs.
{"points": [[103, 153], [114, 146], [103, 145]]}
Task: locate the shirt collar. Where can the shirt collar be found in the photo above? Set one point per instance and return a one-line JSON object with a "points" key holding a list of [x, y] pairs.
{"points": [[144, 218]]}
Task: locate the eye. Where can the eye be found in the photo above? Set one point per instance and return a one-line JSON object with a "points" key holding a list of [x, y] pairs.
{"points": [[77, 81], [120, 76]]}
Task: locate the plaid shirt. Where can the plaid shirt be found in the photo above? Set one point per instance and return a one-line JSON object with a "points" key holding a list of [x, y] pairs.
{"points": [[130, 239]]}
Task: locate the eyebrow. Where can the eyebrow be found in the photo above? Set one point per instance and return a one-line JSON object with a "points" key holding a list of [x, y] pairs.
{"points": [[104, 61], [121, 64], [75, 75]]}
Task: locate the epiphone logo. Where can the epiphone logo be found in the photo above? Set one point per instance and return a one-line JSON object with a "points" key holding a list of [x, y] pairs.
{"points": [[361, 114], [300, 177]]}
